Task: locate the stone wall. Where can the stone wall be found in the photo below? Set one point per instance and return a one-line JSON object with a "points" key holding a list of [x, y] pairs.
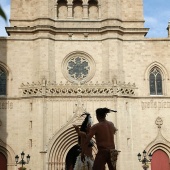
{"points": [[43, 99]]}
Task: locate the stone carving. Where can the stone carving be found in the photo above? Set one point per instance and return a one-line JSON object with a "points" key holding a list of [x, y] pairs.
{"points": [[77, 9], [159, 122], [64, 139], [160, 142], [68, 89], [78, 67]]}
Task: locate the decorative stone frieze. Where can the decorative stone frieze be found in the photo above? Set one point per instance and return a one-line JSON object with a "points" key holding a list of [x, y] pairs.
{"points": [[90, 89]]}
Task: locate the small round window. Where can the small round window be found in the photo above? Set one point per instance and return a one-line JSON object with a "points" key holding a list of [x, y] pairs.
{"points": [[78, 67]]}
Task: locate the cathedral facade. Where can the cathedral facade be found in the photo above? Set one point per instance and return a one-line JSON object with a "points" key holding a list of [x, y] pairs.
{"points": [[66, 57]]}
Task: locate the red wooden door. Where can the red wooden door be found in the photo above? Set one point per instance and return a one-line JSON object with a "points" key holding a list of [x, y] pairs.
{"points": [[160, 161], [3, 162]]}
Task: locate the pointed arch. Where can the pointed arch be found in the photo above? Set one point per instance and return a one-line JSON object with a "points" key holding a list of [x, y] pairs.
{"points": [[155, 81], [162, 69], [160, 142], [60, 146], [8, 152], [159, 147], [156, 76], [63, 140], [5, 75]]}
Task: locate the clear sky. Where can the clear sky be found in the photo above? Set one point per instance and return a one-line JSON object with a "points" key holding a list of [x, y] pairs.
{"points": [[156, 15]]}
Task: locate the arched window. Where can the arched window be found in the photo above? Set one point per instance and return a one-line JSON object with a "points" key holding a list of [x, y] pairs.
{"points": [[155, 81], [93, 9], [160, 161], [3, 81], [77, 9], [62, 9]]}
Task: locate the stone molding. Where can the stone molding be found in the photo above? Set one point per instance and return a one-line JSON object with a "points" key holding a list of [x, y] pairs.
{"points": [[54, 30], [108, 89], [164, 74], [9, 154], [7, 70], [163, 70], [160, 142]]}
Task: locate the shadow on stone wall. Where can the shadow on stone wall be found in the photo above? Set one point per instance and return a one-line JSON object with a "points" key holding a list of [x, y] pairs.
{"points": [[4, 104]]}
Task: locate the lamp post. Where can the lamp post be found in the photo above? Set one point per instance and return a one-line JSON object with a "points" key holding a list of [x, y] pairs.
{"points": [[22, 162], [144, 159]]}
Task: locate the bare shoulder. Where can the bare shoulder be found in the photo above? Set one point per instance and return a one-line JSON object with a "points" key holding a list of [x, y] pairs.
{"points": [[111, 123], [95, 127], [112, 126]]}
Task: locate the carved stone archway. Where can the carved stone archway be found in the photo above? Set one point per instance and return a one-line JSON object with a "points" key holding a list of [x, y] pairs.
{"points": [[60, 147], [8, 152], [160, 142], [61, 143]]}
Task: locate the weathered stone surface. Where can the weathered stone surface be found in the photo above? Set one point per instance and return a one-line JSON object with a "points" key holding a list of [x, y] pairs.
{"points": [[42, 103]]}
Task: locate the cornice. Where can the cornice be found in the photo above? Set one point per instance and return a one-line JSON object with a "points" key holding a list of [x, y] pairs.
{"points": [[54, 30], [74, 20]]}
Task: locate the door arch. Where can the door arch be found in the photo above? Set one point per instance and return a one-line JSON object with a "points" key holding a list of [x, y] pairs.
{"points": [[160, 160], [7, 154], [71, 157], [60, 146], [3, 161]]}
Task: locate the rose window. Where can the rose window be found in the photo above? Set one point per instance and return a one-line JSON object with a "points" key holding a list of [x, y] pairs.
{"points": [[78, 67]]}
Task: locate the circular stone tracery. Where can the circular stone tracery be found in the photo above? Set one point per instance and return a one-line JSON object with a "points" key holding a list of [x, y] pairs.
{"points": [[78, 67]]}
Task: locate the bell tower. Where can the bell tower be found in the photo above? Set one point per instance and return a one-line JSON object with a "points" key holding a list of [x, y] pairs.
{"points": [[51, 21], [125, 14]]}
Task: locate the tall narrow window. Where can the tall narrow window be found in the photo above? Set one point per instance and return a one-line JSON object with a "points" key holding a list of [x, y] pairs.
{"points": [[3, 79], [77, 9], [93, 9], [62, 9], [155, 80]]}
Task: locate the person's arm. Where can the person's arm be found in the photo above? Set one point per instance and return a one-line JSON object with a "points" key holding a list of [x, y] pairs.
{"points": [[114, 128], [80, 133], [85, 145], [76, 128]]}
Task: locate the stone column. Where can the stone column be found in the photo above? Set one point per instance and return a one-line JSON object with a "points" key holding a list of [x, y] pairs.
{"points": [[56, 10], [85, 11], [99, 11], [69, 10]]}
